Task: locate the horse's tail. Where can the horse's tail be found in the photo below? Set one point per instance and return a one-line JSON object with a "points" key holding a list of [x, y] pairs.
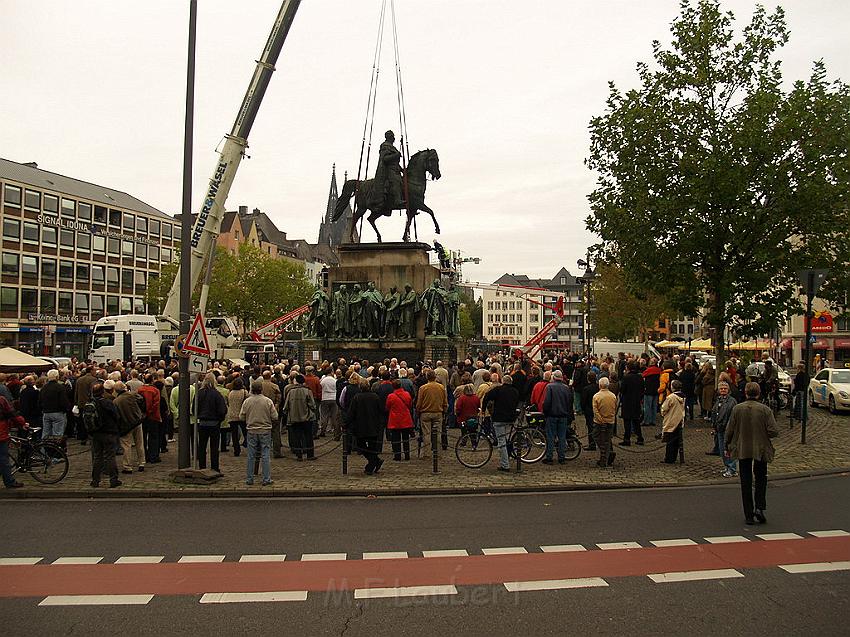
{"points": [[348, 189]]}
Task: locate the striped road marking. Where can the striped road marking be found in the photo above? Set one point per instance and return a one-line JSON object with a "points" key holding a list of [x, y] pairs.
{"points": [[77, 560], [95, 600], [505, 550], [263, 558], [404, 591], [322, 557], [833, 533], [726, 539], [562, 548], [612, 546], [19, 561], [779, 536], [385, 555], [271, 596], [140, 559], [446, 553], [690, 576], [200, 559], [663, 543], [555, 584], [817, 567]]}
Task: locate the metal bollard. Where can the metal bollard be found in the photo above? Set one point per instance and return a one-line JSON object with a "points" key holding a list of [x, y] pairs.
{"points": [[346, 449], [435, 450], [682, 447], [518, 452]]}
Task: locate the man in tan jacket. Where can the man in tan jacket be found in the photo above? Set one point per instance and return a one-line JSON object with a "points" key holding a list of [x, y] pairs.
{"points": [[604, 409], [431, 404]]}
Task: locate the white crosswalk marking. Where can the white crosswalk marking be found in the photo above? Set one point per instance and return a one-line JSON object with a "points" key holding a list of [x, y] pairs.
{"points": [[386, 555], [77, 560], [690, 576], [555, 584], [19, 561], [263, 558], [200, 559], [505, 550], [779, 536], [270, 596], [446, 553], [562, 548], [612, 546], [322, 557], [726, 539], [665, 543], [833, 533], [95, 600], [404, 591], [140, 559], [817, 567]]}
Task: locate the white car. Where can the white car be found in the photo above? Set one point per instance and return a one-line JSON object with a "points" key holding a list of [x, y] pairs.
{"points": [[831, 387]]}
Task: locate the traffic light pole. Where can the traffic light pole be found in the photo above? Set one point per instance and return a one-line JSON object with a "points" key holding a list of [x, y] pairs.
{"points": [[810, 293]]}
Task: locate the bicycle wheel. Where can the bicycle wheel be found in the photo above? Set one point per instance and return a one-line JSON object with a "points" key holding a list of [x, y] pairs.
{"points": [[573, 448], [530, 444], [48, 463], [474, 450]]}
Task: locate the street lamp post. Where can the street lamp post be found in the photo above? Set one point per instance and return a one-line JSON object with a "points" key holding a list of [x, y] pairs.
{"points": [[586, 279]]}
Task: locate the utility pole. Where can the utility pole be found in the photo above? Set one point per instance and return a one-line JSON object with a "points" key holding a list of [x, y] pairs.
{"points": [[183, 435], [811, 281]]}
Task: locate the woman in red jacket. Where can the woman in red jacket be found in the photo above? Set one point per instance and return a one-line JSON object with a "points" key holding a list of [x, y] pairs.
{"points": [[400, 420], [467, 405]]}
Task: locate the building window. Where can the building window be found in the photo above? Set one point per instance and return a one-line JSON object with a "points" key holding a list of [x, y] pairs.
{"points": [[112, 306], [11, 229], [166, 230], [498, 331], [140, 278], [112, 278], [97, 274], [126, 305], [127, 280], [100, 215], [66, 271], [96, 306], [98, 244], [48, 271], [115, 218], [533, 317], [12, 196], [69, 208], [129, 223], [9, 300], [11, 264], [842, 324], [141, 225], [66, 239], [519, 330], [490, 331], [48, 301], [519, 305], [29, 300], [563, 280], [138, 306], [48, 237], [166, 255], [690, 328], [84, 211], [51, 204], [489, 318], [127, 248], [489, 305], [141, 251], [66, 302], [153, 253], [31, 232], [83, 274], [81, 303], [154, 227], [511, 305], [29, 265], [83, 241], [32, 200], [113, 246]]}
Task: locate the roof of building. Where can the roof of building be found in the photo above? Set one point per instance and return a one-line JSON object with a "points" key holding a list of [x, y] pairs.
{"points": [[32, 175], [549, 284]]}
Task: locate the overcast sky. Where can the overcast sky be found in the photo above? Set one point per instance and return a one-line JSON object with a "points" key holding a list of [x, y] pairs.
{"points": [[504, 90]]}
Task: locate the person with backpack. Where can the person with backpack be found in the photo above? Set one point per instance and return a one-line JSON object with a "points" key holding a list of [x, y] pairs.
{"points": [[100, 419]]}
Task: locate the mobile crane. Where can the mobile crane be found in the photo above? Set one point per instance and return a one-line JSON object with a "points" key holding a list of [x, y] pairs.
{"points": [[110, 340]]}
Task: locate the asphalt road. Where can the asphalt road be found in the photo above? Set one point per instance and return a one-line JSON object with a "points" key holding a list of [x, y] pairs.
{"points": [[764, 601]]}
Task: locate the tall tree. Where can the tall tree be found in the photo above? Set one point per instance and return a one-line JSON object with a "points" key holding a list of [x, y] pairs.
{"points": [[619, 314], [716, 186]]}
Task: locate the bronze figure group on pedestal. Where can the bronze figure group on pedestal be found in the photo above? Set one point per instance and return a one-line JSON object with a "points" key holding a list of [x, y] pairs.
{"points": [[363, 314]]}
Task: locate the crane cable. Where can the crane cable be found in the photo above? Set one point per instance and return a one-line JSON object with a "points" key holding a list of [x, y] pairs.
{"points": [[402, 117]]}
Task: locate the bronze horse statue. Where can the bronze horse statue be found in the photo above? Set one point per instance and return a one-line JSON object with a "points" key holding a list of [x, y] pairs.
{"points": [[425, 161]]}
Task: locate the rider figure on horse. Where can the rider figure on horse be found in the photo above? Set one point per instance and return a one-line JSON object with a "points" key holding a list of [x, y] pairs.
{"points": [[388, 174]]}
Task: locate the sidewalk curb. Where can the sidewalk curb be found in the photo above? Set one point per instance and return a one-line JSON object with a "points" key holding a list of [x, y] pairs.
{"points": [[203, 493]]}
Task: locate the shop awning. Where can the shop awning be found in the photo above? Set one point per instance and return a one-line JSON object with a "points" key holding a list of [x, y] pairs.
{"points": [[702, 343], [758, 344], [787, 344], [665, 344], [821, 343], [12, 360], [842, 343]]}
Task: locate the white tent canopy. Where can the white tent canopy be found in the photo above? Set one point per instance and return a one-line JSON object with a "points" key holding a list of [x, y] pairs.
{"points": [[12, 360]]}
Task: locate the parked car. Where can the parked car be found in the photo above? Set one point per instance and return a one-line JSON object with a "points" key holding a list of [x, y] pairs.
{"points": [[58, 362], [831, 388]]}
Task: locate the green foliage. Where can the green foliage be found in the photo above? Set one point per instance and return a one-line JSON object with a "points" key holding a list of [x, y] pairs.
{"points": [[715, 186], [156, 292], [471, 314], [255, 287], [619, 314]]}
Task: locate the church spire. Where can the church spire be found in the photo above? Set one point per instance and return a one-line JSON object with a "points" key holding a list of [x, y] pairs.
{"points": [[333, 196]]}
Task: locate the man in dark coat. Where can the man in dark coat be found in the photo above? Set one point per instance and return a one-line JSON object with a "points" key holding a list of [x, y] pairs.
{"points": [[587, 393], [631, 400], [105, 439], [364, 420]]}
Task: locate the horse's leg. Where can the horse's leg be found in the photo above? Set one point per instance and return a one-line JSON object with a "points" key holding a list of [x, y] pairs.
{"points": [[422, 206], [406, 236], [372, 218]]}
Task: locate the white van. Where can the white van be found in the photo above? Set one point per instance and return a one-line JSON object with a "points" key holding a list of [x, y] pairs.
{"points": [[613, 348], [126, 337]]}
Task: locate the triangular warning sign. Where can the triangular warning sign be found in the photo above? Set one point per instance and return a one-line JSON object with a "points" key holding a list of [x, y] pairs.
{"points": [[197, 341]]}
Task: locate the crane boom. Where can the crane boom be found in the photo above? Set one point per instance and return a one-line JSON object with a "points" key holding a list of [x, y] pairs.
{"points": [[207, 225]]}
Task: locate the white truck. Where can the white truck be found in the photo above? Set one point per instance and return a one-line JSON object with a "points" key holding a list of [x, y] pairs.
{"points": [[615, 347], [221, 330], [131, 336]]}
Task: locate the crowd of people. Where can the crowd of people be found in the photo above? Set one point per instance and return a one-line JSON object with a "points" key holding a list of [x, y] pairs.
{"points": [[129, 409]]}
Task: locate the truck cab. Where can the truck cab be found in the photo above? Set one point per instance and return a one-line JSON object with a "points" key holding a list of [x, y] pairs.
{"points": [[125, 337]]}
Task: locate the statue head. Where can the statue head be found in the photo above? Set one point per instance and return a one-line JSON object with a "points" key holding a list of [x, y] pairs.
{"points": [[371, 285], [393, 289], [356, 287], [436, 283], [389, 136], [342, 288], [407, 287]]}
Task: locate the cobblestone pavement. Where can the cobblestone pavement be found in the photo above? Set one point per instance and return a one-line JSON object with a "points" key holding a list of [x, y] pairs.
{"points": [[827, 448]]}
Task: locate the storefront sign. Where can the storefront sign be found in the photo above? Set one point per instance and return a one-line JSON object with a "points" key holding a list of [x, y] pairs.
{"points": [[125, 237], [820, 343], [70, 224], [842, 343], [57, 318], [822, 322]]}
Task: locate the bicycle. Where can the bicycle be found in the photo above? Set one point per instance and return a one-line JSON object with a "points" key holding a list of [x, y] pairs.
{"points": [[44, 460]]}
